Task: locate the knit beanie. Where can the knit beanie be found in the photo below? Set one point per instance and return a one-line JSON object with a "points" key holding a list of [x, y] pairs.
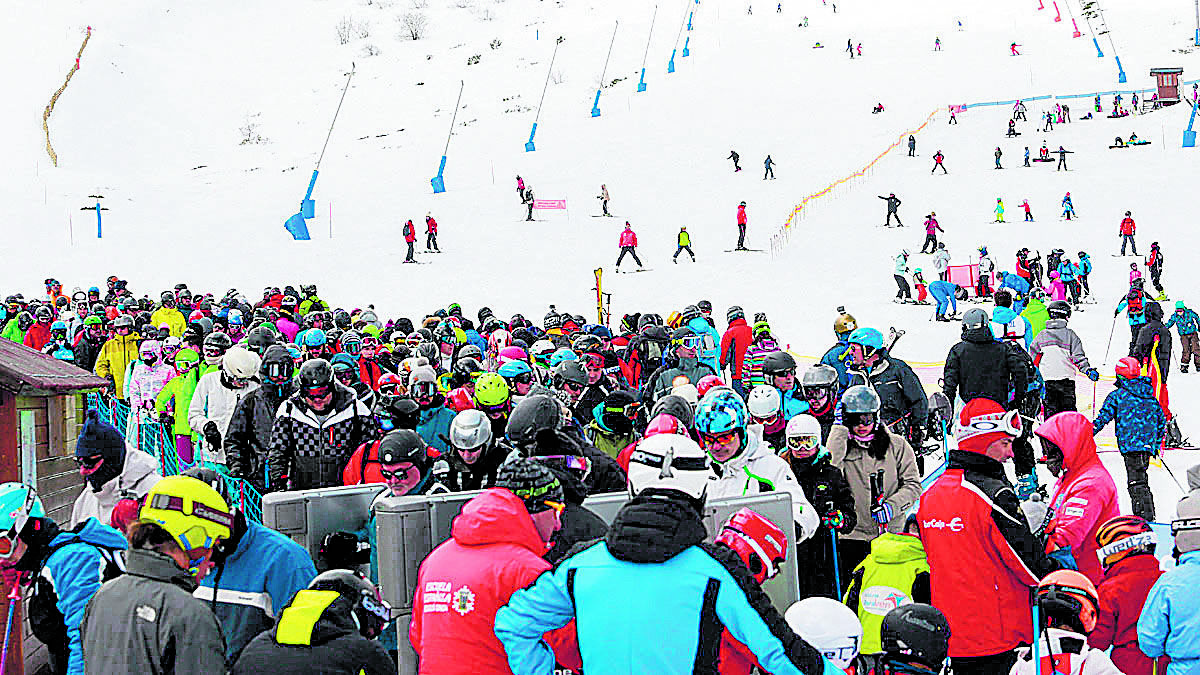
{"points": [[98, 437], [531, 482], [980, 424]]}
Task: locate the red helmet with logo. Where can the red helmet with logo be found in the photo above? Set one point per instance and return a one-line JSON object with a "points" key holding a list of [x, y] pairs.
{"points": [[665, 424], [1122, 537], [708, 382], [389, 382], [760, 543], [1129, 368]]}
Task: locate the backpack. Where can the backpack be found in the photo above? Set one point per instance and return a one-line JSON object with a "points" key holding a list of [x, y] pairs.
{"points": [[363, 466], [1133, 301], [46, 621]]}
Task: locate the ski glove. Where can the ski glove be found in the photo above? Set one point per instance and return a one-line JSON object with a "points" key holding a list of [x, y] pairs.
{"points": [[212, 435], [882, 513], [834, 520], [1093, 374], [1063, 557]]}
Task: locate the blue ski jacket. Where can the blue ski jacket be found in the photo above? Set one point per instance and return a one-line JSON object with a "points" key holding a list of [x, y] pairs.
{"points": [[1186, 323], [711, 353], [1170, 619], [1141, 422]]}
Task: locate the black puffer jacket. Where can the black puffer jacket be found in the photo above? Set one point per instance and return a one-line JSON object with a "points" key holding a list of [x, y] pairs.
{"points": [[1152, 329], [321, 637], [900, 393], [249, 437], [981, 367], [824, 487]]}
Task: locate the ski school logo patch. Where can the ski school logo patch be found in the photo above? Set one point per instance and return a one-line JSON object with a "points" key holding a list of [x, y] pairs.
{"points": [[463, 601], [880, 600]]}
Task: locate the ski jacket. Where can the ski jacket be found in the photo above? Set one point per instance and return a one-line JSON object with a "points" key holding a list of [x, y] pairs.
{"points": [[145, 384], [757, 469], [248, 440], [901, 265], [86, 350], [138, 475], [312, 304], [434, 426], [893, 204], [13, 332], [826, 489], [309, 451], [317, 633], [1186, 322], [660, 382], [1084, 496], [1145, 349], [1085, 265], [655, 553], [1128, 226], [69, 566], [1141, 422], [973, 528], [937, 159], [493, 551], [835, 357], [1004, 318], [430, 226], [38, 336], [287, 327], [1037, 315], [146, 621], [628, 238], [1155, 260], [901, 480], [179, 389], [1122, 595], [410, 232], [1170, 619], [1058, 351], [684, 238], [981, 367], [1067, 271], [1066, 652], [1136, 316], [734, 343], [895, 573], [710, 353], [212, 401], [741, 216], [256, 582], [941, 260], [752, 374], [115, 355], [170, 316]]}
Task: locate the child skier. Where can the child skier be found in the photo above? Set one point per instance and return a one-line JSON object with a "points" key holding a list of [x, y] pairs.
{"points": [[1068, 207], [1027, 155], [683, 243], [1025, 204], [1187, 322], [1067, 602], [922, 292], [896, 569], [1130, 569], [1141, 426], [999, 206]]}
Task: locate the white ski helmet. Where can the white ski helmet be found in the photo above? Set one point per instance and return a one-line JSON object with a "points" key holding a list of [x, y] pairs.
{"points": [[470, 429], [669, 462], [688, 392], [240, 363], [803, 425], [829, 626], [764, 401]]}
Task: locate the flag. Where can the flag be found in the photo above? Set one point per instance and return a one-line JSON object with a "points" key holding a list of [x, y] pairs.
{"points": [[1156, 379]]}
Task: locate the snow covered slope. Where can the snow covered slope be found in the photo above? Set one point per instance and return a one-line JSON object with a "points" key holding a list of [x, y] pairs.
{"points": [[152, 122]]}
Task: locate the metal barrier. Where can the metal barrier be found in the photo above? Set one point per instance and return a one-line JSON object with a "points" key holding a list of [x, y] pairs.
{"points": [[156, 440]]}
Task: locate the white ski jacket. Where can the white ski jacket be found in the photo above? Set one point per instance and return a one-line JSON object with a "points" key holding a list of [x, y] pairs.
{"points": [[758, 469]]}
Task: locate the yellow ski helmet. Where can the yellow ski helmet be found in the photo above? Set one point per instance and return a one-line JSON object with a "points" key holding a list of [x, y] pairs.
{"points": [[193, 512]]}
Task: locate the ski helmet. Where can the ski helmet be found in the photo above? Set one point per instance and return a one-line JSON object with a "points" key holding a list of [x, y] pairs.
{"points": [[829, 626], [676, 407], [25, 321], [844, 324], [867, 338], [1067, 595], [371, 612], [470, 430], [690, 312], [216, 344], [191, 511], [778, 364], [1128, 368], [917, 631], [708, 382], [532, 416], [720, 413], [665, 424], [974, 319], [491, 390], [467, 351], [764, 402], [803, 435], [669, 462], [860, 399], [541, 350], [277, 366], [18, 503], [44, 314], [240, 364], [569, 372], [314, 374], [1121, 537], [514, 369], [259, 339], [1059, 309], [734, 312], [561, 354], [758, 541], [464, 372]]}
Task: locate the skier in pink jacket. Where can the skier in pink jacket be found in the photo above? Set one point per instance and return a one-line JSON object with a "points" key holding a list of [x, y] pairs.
{"points": [[628, 244], [1084, 497], [741, 223]]}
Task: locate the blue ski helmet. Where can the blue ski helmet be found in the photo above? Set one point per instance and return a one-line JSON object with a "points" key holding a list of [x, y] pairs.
{"points": [[562, 354], [18, 503], [867, 337], [514, 368], [314, 337], [720, 412]]}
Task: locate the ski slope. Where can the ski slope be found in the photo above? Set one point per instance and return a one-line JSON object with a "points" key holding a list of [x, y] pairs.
{"points": [[152, 119]]}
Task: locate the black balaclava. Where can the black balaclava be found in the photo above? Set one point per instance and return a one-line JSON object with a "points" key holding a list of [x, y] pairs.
{"points": [[98, 437]]}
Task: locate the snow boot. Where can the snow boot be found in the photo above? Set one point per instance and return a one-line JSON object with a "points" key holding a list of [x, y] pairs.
{"points": [[1027, 486]]}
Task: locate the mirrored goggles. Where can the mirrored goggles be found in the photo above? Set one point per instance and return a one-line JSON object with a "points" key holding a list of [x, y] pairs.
{"points": [[803, 442], [708, 440]]}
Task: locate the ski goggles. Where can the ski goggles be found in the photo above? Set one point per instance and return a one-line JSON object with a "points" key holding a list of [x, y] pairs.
{"points": [[352, 347], [89, 462], [803, 442], [861, 419], [345, 375], [213, 352], [710, 440], [317, 393], [523, 378], [1006, 422], [423, 389], [629, 410], [495, 410], [593, 360], [690, 341], [398, 475], [277, 372]]}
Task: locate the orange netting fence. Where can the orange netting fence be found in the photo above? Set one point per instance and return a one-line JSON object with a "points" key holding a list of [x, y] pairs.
{"points": [[54, 99]]}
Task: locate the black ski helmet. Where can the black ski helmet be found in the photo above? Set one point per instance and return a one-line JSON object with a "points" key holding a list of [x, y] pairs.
{"points": [[403, 411], [315, 373], [405, 445], [778, 363], [370, 611], [690, 312], [917, 631], [735, 312], [259, 339], [569, 371], [219, 340], [532, 416], [1059, 309], [464, 372]]}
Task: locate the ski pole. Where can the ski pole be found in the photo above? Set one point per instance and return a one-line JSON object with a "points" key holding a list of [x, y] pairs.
{"points": [[1110, 337], [837, 575], [1037, 664], [14, 596]]}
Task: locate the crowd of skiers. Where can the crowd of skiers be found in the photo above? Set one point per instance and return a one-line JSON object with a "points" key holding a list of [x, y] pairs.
{"points": [[288, 394]]}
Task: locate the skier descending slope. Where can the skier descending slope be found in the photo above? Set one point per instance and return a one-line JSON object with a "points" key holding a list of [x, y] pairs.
{"points": [[628, 244]]}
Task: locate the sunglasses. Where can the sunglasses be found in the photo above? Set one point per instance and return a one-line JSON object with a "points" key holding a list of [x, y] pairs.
{"points": [[572, 386], [783, 373], [398, 475], [803, 442], [718, 439]]}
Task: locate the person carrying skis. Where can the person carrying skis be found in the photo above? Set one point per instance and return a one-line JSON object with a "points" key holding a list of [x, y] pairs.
{"points": [[931, 229], [431, 234], [903, 293], [683, 242], [742, 221], [1155, 264], [603, 197], [768, 163], [938, 157], [1153, 346], [1187, 323], [628, 244], [973, 528], [893, 204], [735, 157], [410, 238]]}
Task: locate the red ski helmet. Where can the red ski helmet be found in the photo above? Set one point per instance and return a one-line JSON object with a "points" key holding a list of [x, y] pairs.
{"points": [[708, 382], [760, 543], [664, 423], [1129, 368]]}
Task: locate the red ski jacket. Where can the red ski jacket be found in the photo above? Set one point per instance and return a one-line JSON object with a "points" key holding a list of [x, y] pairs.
{"points": [[1122, 594], [410, 232], [983, 559], [1128, 226], [741, 215], [734, 343], [430, 226], [1084, 496], [628, 238], [493, 552]]}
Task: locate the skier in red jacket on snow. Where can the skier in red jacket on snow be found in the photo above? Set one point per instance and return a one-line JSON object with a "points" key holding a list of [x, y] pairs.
{"points": [[1084, 496], [976, 538], [410, 236], [734, 343], [431, 234], [1128, 229], [628, 244], [742, 220]]}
